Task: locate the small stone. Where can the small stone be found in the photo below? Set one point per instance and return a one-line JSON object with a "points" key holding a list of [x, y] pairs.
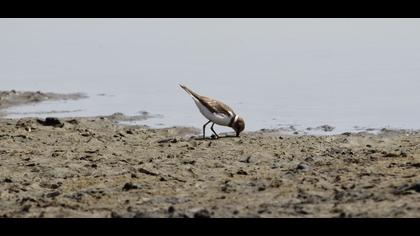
{"points": [[54, 186], [162, 179], [415, 187], [261, 188], [247, 160], [171, 209], [53, 194], [26, 208], [141, 215], [7, 180], [241, 172], [129, 186], [303, 166], [309, 159], [115, 215], [326, 128], [390, 154], [51, 121], [203, 213]]}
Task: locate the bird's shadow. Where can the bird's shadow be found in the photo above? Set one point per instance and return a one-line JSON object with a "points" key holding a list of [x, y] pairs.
{"points": [[214, 138]]}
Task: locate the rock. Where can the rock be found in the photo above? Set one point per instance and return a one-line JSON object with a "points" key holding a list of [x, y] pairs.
{"points": [[191, 162], [407, 189], [247, 160], [54, 186], [261, 188], [141, 215], [129, 186], [416, 165], [303, 166], [390, 154], [167, 140], [53, 194], [415, 187], [7, 180], [129, 132], [309, 159], [326, 128], [51, 121], [147, 172], [115, 215], [73, 121], [202, 213], [241, 172], [171, 209], [26, 208]]}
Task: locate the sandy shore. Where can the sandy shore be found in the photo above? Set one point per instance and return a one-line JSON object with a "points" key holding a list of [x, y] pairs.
{"points": [[92, 167]]}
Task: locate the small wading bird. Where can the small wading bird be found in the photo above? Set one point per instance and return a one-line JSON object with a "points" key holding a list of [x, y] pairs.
{"points": [[217, 112]]}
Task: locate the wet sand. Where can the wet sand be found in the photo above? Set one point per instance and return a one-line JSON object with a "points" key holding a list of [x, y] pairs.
{"points": [[93, 167], [16, 98]]}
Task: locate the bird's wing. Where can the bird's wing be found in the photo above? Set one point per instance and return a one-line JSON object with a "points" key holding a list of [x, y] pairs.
{"points": [[212, 104], [217, 106]]}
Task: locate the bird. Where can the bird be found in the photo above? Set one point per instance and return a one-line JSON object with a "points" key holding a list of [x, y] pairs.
{"points": [[216, 112]]}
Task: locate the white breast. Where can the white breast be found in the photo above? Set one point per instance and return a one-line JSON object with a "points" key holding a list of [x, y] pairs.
{"points": [[220, 119]]}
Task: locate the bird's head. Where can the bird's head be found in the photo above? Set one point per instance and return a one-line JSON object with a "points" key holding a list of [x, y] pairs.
{"points": [[238, 126]]}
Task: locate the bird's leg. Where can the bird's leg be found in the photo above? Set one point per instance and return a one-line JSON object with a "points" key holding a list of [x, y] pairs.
{"points": [[204, 129], [214, 132]]}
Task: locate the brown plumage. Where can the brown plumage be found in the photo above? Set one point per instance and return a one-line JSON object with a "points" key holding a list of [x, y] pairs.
{"points": [[212, 104], [217, 112]]}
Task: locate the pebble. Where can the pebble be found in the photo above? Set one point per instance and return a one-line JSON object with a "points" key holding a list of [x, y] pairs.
{"points": [[202, 213], [129, 186], [171, 209], [53, 194], [51, 121], [241, 172], [303, 166]]}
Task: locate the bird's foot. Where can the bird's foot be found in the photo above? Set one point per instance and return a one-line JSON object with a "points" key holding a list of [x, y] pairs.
{"points": [[214, 136]]}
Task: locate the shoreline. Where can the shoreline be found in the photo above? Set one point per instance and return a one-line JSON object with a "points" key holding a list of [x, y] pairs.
{"points": [[14, 98]]}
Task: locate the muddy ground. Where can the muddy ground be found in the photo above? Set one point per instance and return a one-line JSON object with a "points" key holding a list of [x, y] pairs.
{"points": [[92, 167]]}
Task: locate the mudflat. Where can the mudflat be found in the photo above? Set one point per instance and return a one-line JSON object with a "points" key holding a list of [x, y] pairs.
{"points": [[93, 167], [96, 167]]}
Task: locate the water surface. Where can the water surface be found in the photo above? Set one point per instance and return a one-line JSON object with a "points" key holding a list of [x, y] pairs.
{"points": [[273, 72]]}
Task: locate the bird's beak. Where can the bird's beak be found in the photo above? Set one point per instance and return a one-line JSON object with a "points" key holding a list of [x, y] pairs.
{"points": [[237, 134]]}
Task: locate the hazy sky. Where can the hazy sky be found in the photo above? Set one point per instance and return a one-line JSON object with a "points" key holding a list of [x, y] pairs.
{"points": [[323, 64]]}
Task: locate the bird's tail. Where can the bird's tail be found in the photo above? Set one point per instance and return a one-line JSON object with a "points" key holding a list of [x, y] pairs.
{"points": [[189, 91]]}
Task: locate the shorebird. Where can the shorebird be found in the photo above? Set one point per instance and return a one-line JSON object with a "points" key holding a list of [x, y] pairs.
{"points": [[217, 112]]}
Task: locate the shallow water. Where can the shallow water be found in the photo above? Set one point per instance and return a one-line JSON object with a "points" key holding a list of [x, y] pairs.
{"points": [[274, 72]]}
